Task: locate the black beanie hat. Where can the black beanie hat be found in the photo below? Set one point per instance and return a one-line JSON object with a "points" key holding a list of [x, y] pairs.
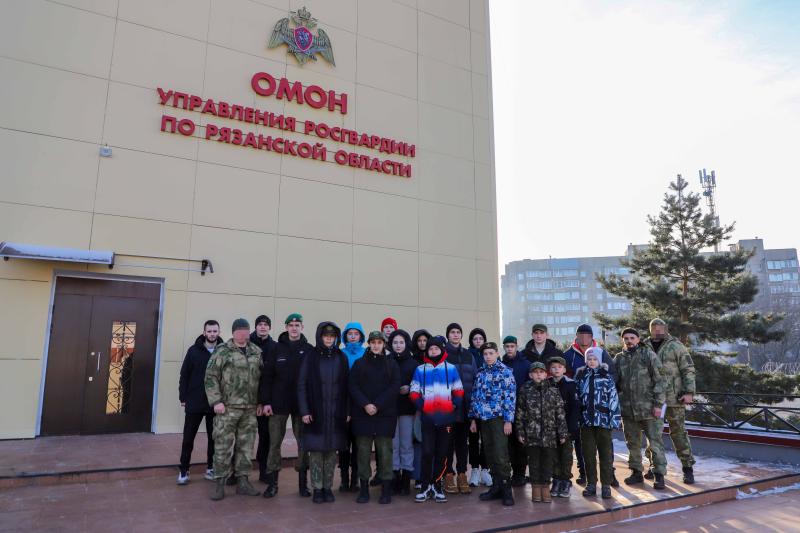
{"points": [[438, 340], [629, 330], [584, 328], [263, 318], [452, 326]]}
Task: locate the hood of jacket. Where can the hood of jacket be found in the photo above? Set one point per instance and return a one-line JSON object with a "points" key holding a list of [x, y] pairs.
{"points": [[356, 326], [415, 337], [442, 359], [201, 341], [283, 338], [549, 344], [403, 333], [577, 347], [474, 332], [318, 336]]}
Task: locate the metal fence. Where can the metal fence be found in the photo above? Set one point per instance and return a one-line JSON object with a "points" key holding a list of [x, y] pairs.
{"points": [[751, 412]]}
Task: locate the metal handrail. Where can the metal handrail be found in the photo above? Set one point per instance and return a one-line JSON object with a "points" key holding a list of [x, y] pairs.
{"points": [[728, 413]]}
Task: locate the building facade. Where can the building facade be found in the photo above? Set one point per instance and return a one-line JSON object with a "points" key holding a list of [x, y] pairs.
{"points": [[329, 158], [563, 293]]}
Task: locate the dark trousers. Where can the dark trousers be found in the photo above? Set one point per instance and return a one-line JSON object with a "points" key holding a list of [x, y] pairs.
{"points": [[540, 462], [191, 423], [562, 460], [597, 441], [579, 454], [263, 443], [477, 454], [436, 448], [348, 458], [517, 454], [495, 443], [459, 447]]}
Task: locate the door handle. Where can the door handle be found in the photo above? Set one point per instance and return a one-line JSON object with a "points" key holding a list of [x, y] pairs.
{"points": [[92, 354]]}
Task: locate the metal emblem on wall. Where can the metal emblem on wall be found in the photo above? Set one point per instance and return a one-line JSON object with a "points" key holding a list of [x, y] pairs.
{"points": [[301, 42]]}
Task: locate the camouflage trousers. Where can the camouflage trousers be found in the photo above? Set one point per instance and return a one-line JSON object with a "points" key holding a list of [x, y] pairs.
{"points": [[234, 437], [633, 438], [277, 431], [562, 460], [676, 418], [322, 465], [383, 456], [597, 441]]}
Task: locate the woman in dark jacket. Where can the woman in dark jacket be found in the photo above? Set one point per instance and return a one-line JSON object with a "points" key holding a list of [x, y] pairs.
{"points": [[479, 471], [403, 442], [374, 386], [323, 404]]}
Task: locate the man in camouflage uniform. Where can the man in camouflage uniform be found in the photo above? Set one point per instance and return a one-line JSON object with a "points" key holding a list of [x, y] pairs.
{"points": [[677, 368], [231, 386], [641, 397]]}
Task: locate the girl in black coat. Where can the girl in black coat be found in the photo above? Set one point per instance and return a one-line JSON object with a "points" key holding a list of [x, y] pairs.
{"points": [[323, 405], [403, 442]]}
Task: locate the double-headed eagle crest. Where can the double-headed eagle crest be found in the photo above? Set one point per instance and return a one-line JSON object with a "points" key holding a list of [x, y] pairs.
{"points": [[301, 42]]}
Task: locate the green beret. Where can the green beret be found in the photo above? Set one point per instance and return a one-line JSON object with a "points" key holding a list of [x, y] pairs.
{"points": [[510, 339], [294, 317]]}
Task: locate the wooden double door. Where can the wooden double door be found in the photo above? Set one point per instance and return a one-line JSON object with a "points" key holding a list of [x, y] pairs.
{"points": [[101, 357]]}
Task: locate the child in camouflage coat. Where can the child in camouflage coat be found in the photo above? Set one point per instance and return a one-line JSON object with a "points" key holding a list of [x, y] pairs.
{"points": [[541, 425]]}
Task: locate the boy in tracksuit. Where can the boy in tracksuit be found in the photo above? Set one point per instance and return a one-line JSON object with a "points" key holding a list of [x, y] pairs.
{"points": [[437, 391], [599, 415], [541, 426], [493, 403], [562, 465]]}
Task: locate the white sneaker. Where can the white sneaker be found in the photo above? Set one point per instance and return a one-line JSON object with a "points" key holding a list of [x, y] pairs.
{"points": [[438, 493], [424, 495], [209, 475], [486, 478], [475, 477], [183, 478]]}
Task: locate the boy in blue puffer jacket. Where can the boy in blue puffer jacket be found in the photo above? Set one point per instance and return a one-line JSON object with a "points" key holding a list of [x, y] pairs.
{"points": [[353, 347], [599, 415]]}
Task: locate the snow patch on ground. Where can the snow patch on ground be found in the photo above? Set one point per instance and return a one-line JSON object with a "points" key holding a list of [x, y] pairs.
{"points": [[753, 493], [651, 515]]}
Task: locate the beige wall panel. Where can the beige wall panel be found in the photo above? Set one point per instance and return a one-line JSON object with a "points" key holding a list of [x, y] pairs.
{"points": [[47, 171], [169, 413], [312, 269], [57, 36], [104, 7], [227, 79], [371, 316], [486, 236], [488, 298], [283, 5], [327, 171], [246, 26], [385, 220], [228, 197], [447, 282], [244, 262], [143, 185], [31, 270], [213, 151], [436, 320], [385, 276], [224, 308], [23, 318], [389, 22], [173, 341], [452, 10], [174, 273], [480, 95], [313, 312], [445, 85], [491, 324], [184, 17], [479, 53], [138, 236], [444, 41], [446, 179], [387, 68], [133, 120], [45, 226], [387, 115], [153, 58], [409, 3], [49, 101], [447, 229], [484, 197], [477, 16], [316, 210], [19, 381], [446, 131], [388, 183], [482, 140], [341, 13]]}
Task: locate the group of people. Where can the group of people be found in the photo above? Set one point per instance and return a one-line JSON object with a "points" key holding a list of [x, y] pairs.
{"points": [[430, 408]]}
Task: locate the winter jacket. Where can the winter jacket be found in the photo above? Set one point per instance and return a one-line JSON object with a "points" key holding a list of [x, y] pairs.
{"points": [[550, 350], [353, 350], [191, 385], [267, 345], [405, 361], [374, 379], [572, 407], [322, 393], [232, 376], [641, 384], [575, 359], [677, 368], [598, 396], [419, 355], [476, 353], [278, 387], [519, 366], [437, 391], [462, 359], [540, 418], [494, 393]]}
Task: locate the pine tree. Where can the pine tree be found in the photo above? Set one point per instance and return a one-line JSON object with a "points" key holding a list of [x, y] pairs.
{"points": [[674, 277]]}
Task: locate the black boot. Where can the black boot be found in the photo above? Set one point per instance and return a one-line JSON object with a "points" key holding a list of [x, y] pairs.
{"points": [[606, 492], [518, 480], [495, 491], [396, 482], [302, 484], [581, 478], [354, 480], [272, 485], [319, 497], [375, 481], [328, 495], [649, 475], [614, 481], [231, 481], [506, 493], [590, 490], [405, 482], [386, 492], [635, 478], [344, 486], [363, 493], [688, 475], [659, 482]]}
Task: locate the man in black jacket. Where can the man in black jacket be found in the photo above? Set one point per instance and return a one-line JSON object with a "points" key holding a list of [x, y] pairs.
{"points": [[192, 395], [261, 338], [540, 349], [277, 393]]}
